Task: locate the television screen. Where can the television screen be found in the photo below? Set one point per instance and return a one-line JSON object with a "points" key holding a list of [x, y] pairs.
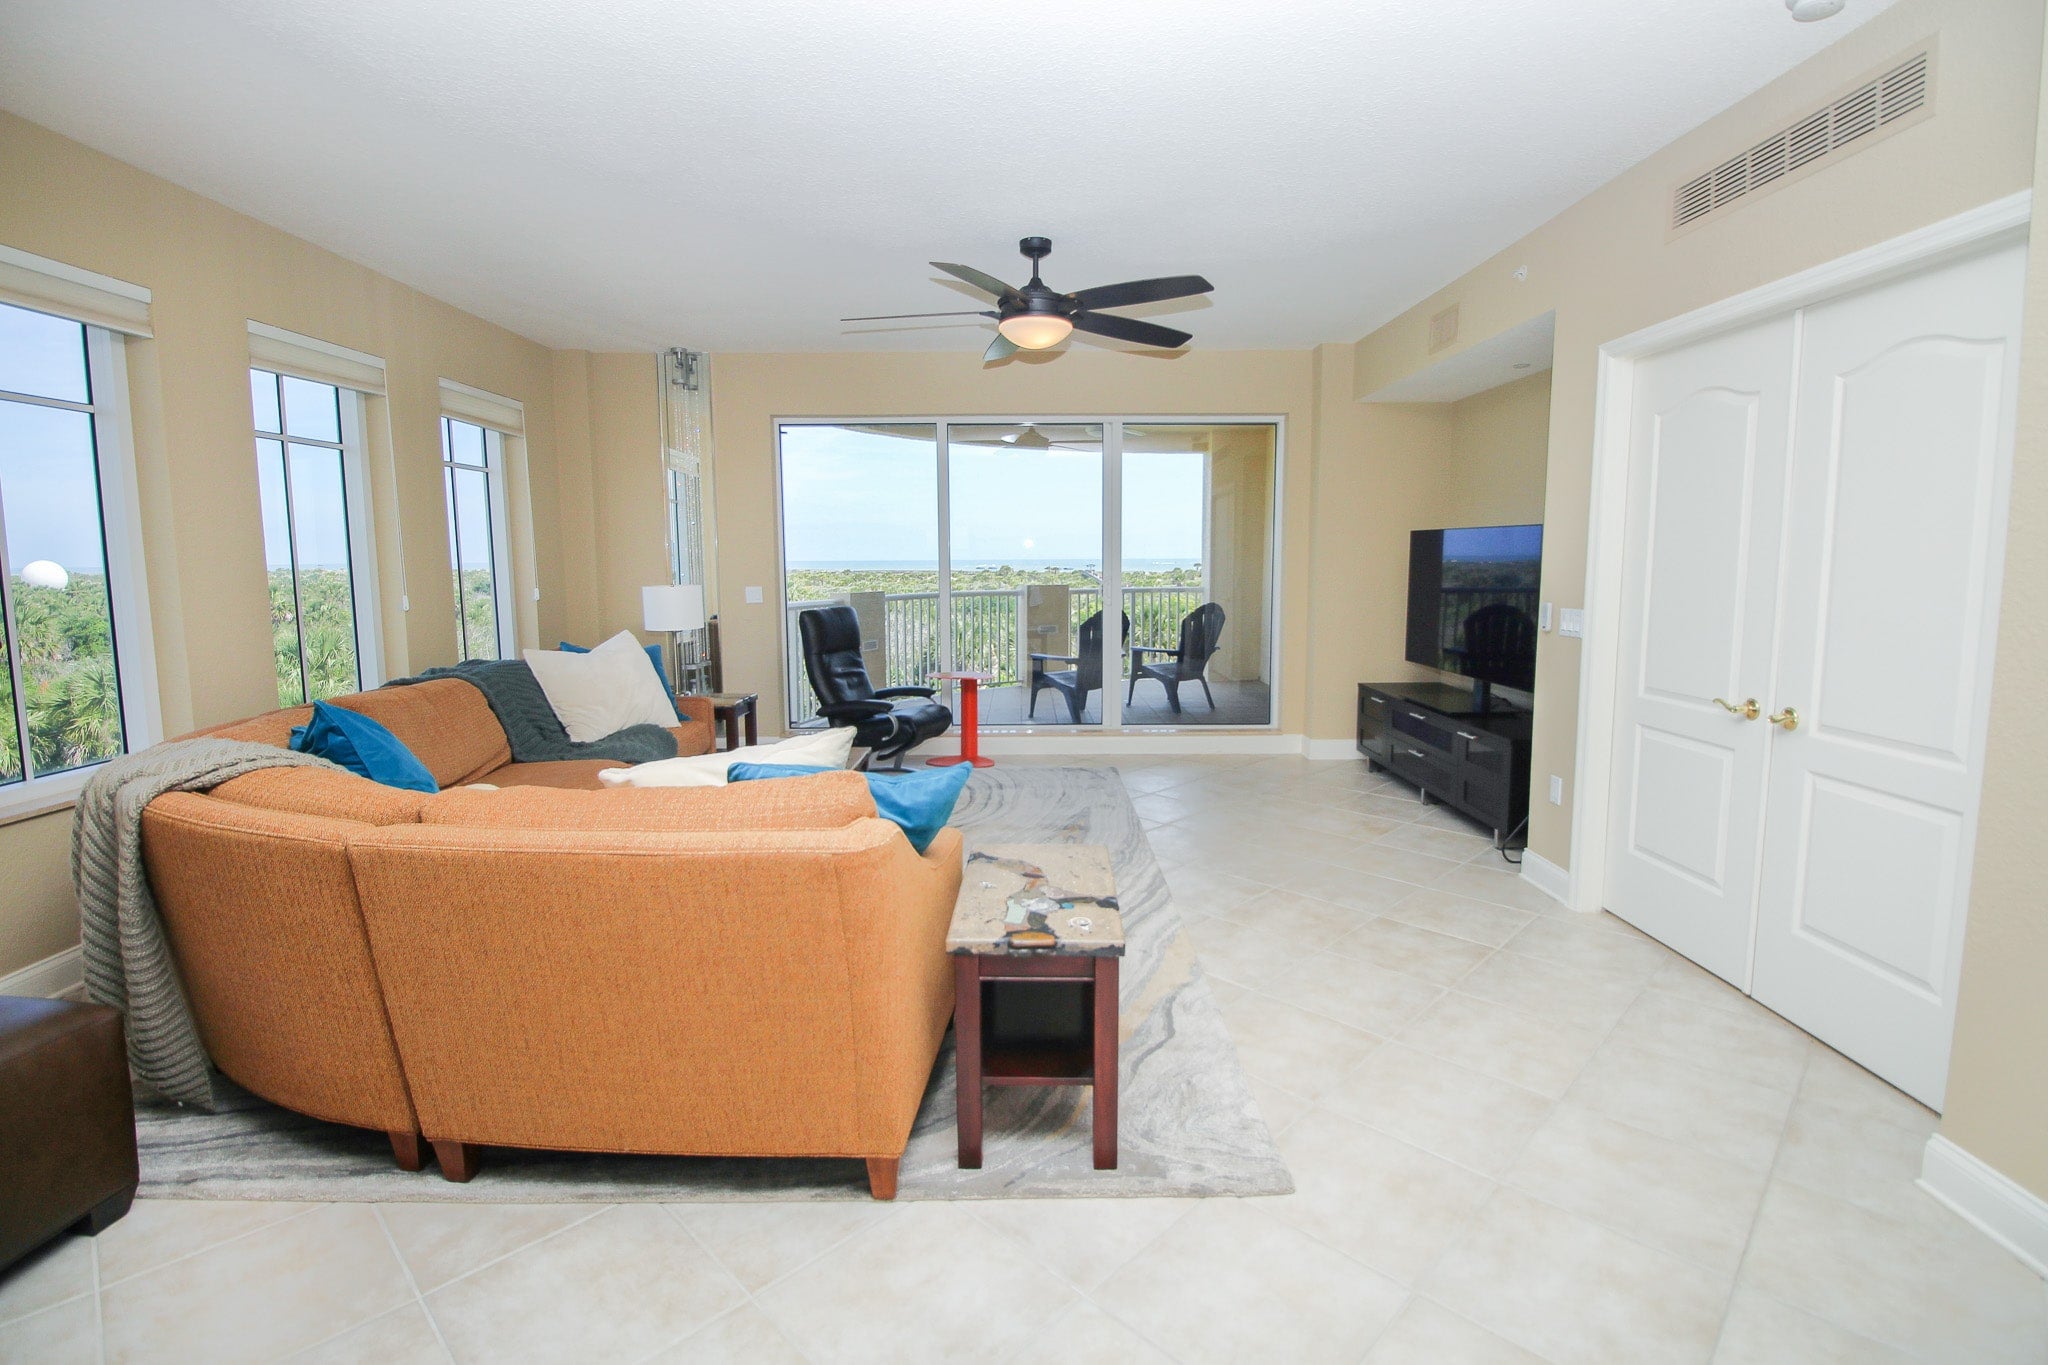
{"points": [[1472, 602]]}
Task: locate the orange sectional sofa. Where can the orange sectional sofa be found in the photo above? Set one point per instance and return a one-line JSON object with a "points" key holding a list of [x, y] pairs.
{"points": [[755, 970]]}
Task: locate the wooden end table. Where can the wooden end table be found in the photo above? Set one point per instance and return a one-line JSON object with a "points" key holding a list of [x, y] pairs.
{"points": [[731, 708], [1009, 1026], [970, 721]]}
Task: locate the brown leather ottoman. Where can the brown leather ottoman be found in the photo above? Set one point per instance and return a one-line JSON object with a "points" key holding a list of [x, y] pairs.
{"points": [[67, 1121]]}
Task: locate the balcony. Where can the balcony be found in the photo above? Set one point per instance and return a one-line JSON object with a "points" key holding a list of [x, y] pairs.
{"points": [[995, 631]]}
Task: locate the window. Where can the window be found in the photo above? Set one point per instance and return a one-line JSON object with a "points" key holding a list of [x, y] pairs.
{"points": [[70, 697], [316, 536], [472, 464]]}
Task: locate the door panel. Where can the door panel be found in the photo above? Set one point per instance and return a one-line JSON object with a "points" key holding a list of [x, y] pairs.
{"points": [[1901, 446], [1707, 468]]}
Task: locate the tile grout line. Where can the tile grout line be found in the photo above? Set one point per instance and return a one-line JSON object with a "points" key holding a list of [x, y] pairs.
{"points": [[1756, 1214], [411, 1282], [213, 1246], [508, 1255], [99, 1311]]}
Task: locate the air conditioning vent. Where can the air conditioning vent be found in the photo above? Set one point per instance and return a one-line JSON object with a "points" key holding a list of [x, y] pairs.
{"points": [[1443, 329], [1881, 104]]}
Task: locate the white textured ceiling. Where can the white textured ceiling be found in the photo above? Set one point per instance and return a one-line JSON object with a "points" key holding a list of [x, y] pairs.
{"points": [[737, 175]]}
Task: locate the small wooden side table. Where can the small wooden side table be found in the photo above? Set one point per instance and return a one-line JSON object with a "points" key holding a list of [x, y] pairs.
{"points": [[970, 721], [731, 708], [1008, 1026]]}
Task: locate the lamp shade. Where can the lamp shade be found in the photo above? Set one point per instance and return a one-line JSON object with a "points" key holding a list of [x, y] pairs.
{"points": [[672, 606]]}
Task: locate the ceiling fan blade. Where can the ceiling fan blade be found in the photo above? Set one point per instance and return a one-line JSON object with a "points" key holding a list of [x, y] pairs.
{"points": [[1142, 291], [891, 317], [988, 284], [1002, 348], [1130, 329]]}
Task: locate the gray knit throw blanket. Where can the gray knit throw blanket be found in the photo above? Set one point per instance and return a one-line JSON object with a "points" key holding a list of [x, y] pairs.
{"points": [[127, 960]]}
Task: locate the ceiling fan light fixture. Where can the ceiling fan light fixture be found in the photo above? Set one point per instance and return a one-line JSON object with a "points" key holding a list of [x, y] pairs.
{"points": [[1812, 11], [1036, 331]]}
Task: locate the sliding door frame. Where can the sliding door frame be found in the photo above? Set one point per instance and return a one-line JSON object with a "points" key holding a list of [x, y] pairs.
{"points": [[1112, 549]]}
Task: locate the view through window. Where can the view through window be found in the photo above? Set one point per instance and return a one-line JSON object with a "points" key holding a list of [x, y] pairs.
{"points": [[319, 574], [1014, 587], [60, 695], [470, 459]]}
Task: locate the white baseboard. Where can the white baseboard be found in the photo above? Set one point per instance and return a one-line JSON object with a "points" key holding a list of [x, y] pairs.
{"points": [[1323, 750], [60, 974], [2014, 1217], [1546, 876]]}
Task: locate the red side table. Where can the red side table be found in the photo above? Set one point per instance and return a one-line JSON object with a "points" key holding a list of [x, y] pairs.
{"points": [[970, 721]]}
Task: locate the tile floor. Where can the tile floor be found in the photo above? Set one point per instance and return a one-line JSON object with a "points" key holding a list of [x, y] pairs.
{"points": [[1519, 1135]]}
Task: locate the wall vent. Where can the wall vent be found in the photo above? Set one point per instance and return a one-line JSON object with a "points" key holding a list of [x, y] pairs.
{"points": [[1443, 329], [1894, 98]]}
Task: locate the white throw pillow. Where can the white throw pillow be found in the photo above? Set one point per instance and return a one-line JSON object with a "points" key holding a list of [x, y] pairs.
{"points": [[604, 691], [814, 749]]}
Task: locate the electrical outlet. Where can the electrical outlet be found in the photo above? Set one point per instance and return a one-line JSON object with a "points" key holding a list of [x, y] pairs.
{"points": [[1556, 790], [1571, 622], [754, 596], [1543, 617]]}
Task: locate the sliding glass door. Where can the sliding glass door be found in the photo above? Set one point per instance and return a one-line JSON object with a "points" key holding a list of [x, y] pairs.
{"points": [[995, 548], [1197, 555], [1025, 579]]}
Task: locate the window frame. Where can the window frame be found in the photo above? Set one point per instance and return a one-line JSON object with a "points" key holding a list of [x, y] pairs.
{"points": [[501, 530], [120, 516], [362, 548]]}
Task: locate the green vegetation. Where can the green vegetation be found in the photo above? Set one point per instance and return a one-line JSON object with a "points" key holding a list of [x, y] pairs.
{"points": [[816, 585], [473, 589], [65, 648], [328, 609]]}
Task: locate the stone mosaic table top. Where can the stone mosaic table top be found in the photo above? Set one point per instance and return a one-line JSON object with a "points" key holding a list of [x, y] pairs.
{"points": [[1067, 890]]}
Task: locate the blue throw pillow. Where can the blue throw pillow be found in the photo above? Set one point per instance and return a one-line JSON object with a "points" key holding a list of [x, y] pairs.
{"points": [[362, 746], [920, 802], [654, 654]]}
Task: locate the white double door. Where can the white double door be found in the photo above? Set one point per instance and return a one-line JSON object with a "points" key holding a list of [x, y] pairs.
{"points": [[1815, 533]]}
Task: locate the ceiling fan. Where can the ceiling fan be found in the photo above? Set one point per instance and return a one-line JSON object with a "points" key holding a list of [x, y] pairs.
{"points": [[1037, 316]]}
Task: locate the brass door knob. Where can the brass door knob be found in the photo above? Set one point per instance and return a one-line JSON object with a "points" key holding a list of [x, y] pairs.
{"points": [[1788, 718], [1749, 710]]}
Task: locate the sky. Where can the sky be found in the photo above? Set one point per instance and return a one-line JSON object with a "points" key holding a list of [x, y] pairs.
{"points": [[855, 496]]}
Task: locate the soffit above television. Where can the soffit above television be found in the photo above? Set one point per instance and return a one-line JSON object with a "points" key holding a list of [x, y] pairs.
{"points": [[1517, 353]]}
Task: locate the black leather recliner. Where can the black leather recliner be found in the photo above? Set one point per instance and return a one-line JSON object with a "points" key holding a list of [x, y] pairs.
{"points": [[888, 722]]}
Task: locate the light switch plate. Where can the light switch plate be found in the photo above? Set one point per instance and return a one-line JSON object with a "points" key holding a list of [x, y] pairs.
{"points": [[1556, 790], [1543, 617], [1571, 622], [753, 596]]}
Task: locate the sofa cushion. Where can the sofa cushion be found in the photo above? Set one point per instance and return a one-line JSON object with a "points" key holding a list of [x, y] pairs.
{"points": [[363, 746], [918, 803], [331, 792], [445, 722], [811, 749], [824, 801], [602, 691], [572, 774]]}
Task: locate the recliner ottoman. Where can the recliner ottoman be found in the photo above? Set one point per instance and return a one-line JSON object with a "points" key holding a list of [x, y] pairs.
{"points": [[67, 1122]]}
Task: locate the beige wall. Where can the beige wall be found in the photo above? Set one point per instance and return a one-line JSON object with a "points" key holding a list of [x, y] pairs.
{"points": [[1499, 451], [1997, 1106], [749, 392], [1241, 549], [211, 271], [1607, 267]]}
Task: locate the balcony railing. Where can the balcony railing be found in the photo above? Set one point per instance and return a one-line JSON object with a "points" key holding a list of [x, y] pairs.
{"points": [[991, 634]]}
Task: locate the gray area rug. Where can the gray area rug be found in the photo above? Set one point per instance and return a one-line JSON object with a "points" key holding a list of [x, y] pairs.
{"points": [[1188, 1124]]}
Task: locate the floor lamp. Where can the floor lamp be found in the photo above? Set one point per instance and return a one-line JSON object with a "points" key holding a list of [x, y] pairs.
{"points": [[676, 609]]}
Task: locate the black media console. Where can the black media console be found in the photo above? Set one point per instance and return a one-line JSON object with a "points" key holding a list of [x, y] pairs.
{"points": [[1431, 735]]}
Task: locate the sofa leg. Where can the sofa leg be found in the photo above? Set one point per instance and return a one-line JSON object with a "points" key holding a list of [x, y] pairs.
{"points": [[882, 1176], [106, 1213], [459, 1160], [406, 1149]]}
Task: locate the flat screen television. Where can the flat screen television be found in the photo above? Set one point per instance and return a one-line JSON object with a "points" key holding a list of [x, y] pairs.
{"points": [[1472, 603]]}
